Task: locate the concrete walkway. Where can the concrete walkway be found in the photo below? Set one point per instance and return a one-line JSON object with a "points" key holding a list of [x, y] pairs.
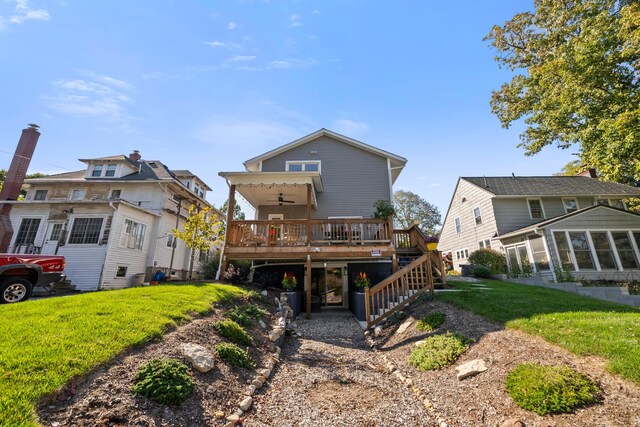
{"points": [[329, 377]]}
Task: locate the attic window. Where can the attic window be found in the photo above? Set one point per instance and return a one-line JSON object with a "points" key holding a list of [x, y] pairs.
{"points": [[303, 166], [111, 170]]}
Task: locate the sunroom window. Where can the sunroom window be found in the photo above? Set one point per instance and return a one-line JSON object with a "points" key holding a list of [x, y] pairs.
{"points": [[581, 250], [603, 250]]}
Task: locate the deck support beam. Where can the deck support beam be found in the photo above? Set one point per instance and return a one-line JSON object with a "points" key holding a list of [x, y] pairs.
{"points": [[308, 281], [231, 205], [308, 214]]}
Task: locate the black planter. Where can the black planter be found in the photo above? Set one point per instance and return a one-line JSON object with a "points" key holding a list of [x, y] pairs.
{"points": [[294, 299], [357, 305]]}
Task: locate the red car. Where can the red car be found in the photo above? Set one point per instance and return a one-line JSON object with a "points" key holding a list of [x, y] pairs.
{"points": [[20, 273]]}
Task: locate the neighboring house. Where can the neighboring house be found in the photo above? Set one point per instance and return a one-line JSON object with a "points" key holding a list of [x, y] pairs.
{"points": [[314, 200], [112, 220], [573, 223]]}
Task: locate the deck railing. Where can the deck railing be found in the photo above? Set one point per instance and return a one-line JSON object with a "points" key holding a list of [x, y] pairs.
{"points": [[301, 232]]}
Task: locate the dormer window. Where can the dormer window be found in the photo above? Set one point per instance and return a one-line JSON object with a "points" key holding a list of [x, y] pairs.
{"points": [[111, 170], [97, 170], [303, 166], [102, 170]]}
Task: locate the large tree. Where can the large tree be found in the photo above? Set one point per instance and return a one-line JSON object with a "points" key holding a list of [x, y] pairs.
{"points": [[410, 207], [237, 211], [577, 80]]}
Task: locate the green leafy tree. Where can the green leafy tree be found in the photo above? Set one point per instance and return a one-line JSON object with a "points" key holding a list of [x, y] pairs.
{"points": [[577, 81], [572, 168], [409, 208], [237, 211], [201, 231]]}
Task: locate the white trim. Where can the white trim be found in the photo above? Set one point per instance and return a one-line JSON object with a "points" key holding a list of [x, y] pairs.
{"points": [[549, 257], [276, 217], [544, 216], [390, 180], [122, 233], [72, 221], [592, 249], [70, 194], [457, 222], [43, 221], [616, 255], [473, 214]]}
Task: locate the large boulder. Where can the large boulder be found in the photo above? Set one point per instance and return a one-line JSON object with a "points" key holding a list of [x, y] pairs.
{"points": [[200, 358]]}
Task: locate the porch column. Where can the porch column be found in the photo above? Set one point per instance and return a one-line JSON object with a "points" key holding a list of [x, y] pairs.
{"points": [[231, 204], [308, 286], [308, 214]]}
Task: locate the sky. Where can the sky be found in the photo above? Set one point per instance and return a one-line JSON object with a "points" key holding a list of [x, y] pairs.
{"points": [[206, 85]]}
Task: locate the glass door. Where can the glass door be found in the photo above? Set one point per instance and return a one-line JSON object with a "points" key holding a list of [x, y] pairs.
{"points": [[329, 285]]}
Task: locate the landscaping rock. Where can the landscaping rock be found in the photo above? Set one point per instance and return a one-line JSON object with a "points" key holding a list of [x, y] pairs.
{"points": [[377, 331], [262, 324], [233, 418], [404, 326], [470, 368], [256, 383], [265, 372], [246, 403], [220, 414], [512, 422], [264, 293], [200, 358], [250, 390]]}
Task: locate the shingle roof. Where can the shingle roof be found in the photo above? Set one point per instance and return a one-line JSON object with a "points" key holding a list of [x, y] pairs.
{"points": [[551, 186]]}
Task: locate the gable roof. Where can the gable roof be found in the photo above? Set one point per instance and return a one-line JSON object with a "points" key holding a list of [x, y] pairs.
{"points": [[546, 222], [397, 162], [551, 186]]}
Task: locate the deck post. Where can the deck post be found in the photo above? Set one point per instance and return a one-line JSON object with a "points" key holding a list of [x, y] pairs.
{"points": [[308, 214], [367, 305], [308, 281], [394, 263], [390, 229]]}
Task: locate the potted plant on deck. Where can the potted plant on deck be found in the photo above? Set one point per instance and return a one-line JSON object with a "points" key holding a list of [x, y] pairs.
{"points": [[294, 296], [432, 242], [362, 281]]}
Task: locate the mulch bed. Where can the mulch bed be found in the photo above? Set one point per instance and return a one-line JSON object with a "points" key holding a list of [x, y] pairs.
{"points": [[482, 400], [105, 398]]}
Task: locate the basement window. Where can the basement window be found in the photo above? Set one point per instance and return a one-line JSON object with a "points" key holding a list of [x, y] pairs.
{"points": [[121, 271]]}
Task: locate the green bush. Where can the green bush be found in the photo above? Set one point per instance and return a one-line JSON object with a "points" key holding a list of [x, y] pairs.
{"points": [[550, 389], [234, 355], [438, 351], [245, 316], [453, 273], [489, 258], [233, 332], [166, 381], [431, 321], [481, 271]]}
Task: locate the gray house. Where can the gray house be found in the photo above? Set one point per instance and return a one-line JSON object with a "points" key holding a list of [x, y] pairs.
{"points": [[572, 223], [314, 200]]}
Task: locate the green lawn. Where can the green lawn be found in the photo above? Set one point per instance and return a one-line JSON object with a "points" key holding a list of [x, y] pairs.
{"points": [[580, 324], [45, 343]]}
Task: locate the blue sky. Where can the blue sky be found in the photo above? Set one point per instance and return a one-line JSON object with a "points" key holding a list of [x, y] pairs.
{"points": [[206, 85]]}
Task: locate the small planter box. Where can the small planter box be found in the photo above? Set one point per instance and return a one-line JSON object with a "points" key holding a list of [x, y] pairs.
{"points": [[294, 299]]}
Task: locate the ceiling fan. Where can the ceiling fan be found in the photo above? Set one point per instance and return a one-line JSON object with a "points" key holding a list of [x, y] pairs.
{"points": [[281, 200]]}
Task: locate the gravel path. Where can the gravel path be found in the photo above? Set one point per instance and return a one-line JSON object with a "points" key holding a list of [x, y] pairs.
{"points": [[328, 377]]}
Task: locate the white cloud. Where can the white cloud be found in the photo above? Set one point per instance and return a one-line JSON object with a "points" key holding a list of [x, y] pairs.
{"points": [[24, 13], [232, 26], [295, 21], [215, 43], [240, 58], [97, 96], [292, 63], [350, 128], [316, 12], [229, 131]]}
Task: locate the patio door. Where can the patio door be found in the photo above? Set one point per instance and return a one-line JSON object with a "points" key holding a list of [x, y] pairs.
{"points": [[330, 285]]}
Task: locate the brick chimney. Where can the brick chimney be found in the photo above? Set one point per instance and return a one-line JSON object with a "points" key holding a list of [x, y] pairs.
{"points": [[14, 180], [591, 173], [135, 156]]}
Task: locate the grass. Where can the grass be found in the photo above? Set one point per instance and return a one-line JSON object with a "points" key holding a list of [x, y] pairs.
{"points": [[45, 343], [582, 325]]}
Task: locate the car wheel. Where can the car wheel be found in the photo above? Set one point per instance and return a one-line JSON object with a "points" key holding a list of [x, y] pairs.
{"points": [[14, 289]]}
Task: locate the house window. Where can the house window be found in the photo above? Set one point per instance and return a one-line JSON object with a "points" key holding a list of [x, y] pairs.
{"points": [[40, 195], [56, 230], [97, 170], [581, 250], [570, 205], [616, 203], [27, 231], [539, 254], [625, 250], [303, 166], [170, 240], [77, 194], [458, 225], [477, 215], [121, 271], [115, 194], [603, 250], [481, 244], [466, 253], [203, 256], [487, 243], [111, 170], [132, 234], [535, 209], [85, 231], [564, 252]]}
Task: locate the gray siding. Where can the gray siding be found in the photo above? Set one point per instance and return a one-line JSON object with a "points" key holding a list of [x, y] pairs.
{"points": [[353, 179], [471, 233], [598, 218]]}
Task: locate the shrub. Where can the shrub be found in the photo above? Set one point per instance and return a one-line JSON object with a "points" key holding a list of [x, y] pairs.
{"points": [[481, 271], [431, 321], [550, 389], [209, 268], [166, 381], [234, 355], [453, 273], [233, 332], [245, 316], [489, 258], [383, 209], [563, 275], [438, 351], [397, 316]]}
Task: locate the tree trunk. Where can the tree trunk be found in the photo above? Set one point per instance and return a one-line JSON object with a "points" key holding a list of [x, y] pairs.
{"points": [[193, 256]]}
